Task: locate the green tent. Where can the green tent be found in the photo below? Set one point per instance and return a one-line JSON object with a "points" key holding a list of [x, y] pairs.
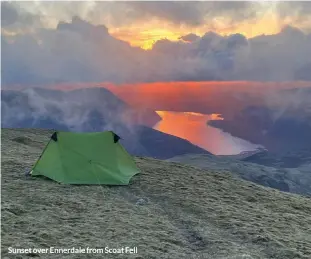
{"points": [[86, 158]]}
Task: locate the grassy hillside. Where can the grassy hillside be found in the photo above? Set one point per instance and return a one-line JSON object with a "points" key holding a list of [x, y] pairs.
{"points": [[287, 160], [169, 211], [295, 180]]}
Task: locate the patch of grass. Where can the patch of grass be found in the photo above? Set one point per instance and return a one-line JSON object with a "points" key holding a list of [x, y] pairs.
{"points": [[187, 212]]}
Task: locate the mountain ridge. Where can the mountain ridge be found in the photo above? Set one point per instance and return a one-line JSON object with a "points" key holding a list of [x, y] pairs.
{"points": [[89, 110], [294, 180]]}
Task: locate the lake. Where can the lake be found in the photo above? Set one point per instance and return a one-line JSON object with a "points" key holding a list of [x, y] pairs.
{"points": [[193, 127]]}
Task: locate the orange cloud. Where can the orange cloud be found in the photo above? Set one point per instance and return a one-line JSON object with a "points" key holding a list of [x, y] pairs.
{"points": [[146, 34], [144, 38]]}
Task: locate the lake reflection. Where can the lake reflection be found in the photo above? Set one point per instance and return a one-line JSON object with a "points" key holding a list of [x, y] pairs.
{"points": [[193, 127]]}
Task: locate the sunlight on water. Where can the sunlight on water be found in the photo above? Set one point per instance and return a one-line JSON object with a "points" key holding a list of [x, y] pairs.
{"points": [[193, 127]]}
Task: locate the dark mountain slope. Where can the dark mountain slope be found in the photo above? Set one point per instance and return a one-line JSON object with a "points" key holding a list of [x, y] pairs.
{"points": [[260, 126], [295, 180], [283, 160]]}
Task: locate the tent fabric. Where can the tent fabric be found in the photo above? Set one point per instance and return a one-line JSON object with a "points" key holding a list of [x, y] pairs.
{"points": [[86, 158]]}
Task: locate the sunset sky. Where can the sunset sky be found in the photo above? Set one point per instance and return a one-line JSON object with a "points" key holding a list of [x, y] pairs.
{"points": [[201, 57], [129, 42]]}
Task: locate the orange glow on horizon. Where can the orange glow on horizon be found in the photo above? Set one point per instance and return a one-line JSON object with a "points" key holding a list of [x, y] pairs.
{"points": [[148, 94], [144, 38], [198, 97], [160, 87], [145, 34]]}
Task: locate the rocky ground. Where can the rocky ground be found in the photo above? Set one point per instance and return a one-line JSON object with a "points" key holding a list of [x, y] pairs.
{"points": [[170, 210]]}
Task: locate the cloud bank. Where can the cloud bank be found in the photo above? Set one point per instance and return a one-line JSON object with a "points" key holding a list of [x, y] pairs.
{"points": [[131, 12], [186, 13], [80, 51]]}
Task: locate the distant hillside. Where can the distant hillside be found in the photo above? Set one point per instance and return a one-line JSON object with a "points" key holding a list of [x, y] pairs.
{"points": [[260, 125], [169, 211], [295, 180], [283, 160], [80, 110], [281, 122], [89, 110]]}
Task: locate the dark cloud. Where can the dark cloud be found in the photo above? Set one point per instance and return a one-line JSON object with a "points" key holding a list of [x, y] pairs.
{"points": [[303, 73], [191, 37], [234, 10], [75, 51], [192, 13], [295, 12], [290, 8], [9, 14], [14, 18], [176, 12]]}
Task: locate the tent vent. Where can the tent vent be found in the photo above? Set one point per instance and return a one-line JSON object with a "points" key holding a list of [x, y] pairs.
{"points": [[54, 136], [115, 138]]}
